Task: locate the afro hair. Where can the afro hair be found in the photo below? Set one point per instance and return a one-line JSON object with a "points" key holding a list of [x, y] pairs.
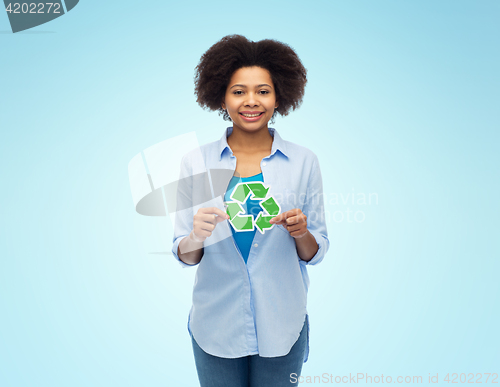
{"points": [[232, 52]]}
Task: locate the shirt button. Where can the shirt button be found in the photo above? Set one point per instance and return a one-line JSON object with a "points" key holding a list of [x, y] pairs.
{"points": [[255, 245], [264, 164]]}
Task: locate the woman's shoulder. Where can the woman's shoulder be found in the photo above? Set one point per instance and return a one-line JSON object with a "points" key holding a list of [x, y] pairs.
{"points": [[299, 152], [294, 150], [299, 148]]}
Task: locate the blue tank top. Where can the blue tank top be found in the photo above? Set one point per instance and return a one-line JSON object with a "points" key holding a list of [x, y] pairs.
{"points": [[244, 239]]}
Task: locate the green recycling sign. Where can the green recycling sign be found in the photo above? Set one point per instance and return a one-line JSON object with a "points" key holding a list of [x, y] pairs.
{"points": [[255, 191]]}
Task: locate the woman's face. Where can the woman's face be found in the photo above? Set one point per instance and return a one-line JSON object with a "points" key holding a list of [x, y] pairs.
{"points": [[250, 99]]}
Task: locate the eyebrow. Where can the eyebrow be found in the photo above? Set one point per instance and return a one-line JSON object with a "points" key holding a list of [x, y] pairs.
{"points": [[262, 84]]}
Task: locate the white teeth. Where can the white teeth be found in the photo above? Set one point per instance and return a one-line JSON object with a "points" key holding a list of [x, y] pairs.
{"points": [[250, 115]]}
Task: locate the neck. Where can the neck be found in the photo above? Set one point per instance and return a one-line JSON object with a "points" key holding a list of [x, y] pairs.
{"points": [[256, 141]]}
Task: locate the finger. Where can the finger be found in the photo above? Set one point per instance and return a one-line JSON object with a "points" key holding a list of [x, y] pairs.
{"points": [[214, 219], [208, 218], [201, 225], [293, 212], [216, 211], [301, 218], [279, 219], [289, 217], [221, 219], [292, 220], [207, 227], [294, 228]]}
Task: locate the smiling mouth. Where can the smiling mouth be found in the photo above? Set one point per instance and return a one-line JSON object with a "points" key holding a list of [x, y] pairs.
{"points": [[251, 115]]}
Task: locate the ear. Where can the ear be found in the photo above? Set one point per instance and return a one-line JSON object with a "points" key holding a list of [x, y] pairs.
{"points": [[277, 104], [223, 105]]}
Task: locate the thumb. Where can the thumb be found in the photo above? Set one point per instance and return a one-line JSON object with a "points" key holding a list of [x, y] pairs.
{"points": [[219, 218], [278, 219]]}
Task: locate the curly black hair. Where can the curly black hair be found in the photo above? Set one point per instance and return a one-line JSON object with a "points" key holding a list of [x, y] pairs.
{"points": [[232, 52]]}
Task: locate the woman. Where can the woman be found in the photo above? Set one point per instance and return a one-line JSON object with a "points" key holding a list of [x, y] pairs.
{"points": [[248, 323]]}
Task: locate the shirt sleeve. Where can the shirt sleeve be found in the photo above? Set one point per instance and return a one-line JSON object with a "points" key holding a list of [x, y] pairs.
{"points": [[315, 211], [183, 219]]}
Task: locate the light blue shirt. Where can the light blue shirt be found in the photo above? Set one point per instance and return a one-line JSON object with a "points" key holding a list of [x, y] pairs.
{"points": [[259, 307]]}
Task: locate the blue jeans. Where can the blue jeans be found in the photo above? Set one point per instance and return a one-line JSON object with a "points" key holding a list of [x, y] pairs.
{"points": [[251, 371]]}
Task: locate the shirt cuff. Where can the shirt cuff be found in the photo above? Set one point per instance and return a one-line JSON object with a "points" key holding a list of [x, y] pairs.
{"points": [[174, 252], [322, 247]]}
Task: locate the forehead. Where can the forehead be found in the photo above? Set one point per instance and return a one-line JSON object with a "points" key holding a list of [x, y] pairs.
{"points": [[251, 76]]}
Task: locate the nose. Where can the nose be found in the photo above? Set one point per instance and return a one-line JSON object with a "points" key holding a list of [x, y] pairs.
{"points": [[251, 100]]}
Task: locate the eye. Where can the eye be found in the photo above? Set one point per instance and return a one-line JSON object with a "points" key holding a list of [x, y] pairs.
{"points": [[264, 92], [238, 92]]}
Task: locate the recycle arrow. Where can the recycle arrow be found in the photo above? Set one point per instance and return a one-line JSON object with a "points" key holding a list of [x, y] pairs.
{"points": [[239, 222], [262, 222], [243, 222], [258, 190], [270, 206], [233, 209], [240, 192]]}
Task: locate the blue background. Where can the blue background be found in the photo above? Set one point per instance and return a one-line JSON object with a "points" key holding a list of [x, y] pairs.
{"points": [[402, 102]]}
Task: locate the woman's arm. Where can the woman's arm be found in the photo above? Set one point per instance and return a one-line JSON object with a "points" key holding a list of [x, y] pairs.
{"points": [[295, 221], [307, 247], [311, 238], [193, 250], [190, 249]]}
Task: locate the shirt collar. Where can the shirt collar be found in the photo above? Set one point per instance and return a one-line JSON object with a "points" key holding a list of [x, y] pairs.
{"points": [[278, 143]]}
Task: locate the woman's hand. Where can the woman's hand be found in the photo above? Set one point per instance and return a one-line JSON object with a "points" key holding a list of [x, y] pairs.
{"points": [[190, 249], [294, 221], [204, 222]]}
